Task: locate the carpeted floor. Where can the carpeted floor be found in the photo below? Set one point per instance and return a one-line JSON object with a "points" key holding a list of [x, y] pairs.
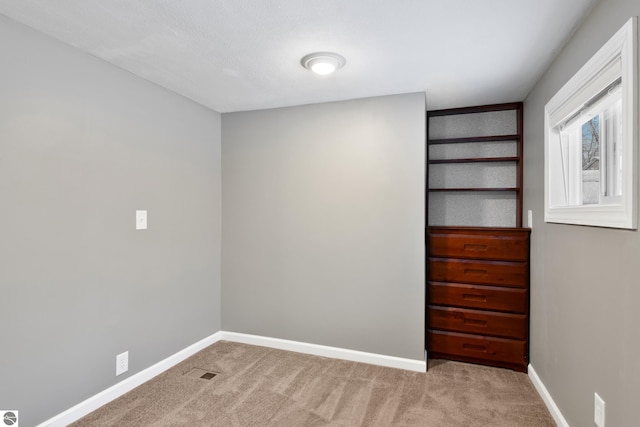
{"points": [[258, 386]]}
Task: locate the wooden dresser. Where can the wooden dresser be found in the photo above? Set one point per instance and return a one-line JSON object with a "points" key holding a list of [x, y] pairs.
{"points": [[478, 295]]}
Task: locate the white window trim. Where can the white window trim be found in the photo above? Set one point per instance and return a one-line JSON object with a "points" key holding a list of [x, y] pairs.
{"points": [[623, 215]]}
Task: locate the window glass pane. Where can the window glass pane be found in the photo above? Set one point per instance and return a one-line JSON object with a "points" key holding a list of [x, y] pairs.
{"points": [[591, 161]]}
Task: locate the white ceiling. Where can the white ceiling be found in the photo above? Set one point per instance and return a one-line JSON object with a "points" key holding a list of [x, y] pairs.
{"points": [[233, 55]]}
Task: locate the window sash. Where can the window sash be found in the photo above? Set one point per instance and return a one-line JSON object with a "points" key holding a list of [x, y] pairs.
{"points": [[608, 75]]}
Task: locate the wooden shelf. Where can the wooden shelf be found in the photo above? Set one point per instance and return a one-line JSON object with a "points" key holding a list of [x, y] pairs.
{"points": [[513, 189], [474, 110], [490, 138], [476, 160]]}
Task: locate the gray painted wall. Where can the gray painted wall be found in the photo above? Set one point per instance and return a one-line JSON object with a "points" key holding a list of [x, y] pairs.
{"points": [[585, 287], [82, 146], [323, 224]]}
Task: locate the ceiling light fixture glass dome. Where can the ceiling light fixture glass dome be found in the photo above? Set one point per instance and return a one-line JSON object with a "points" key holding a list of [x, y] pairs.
{"points": [[323, 63]]}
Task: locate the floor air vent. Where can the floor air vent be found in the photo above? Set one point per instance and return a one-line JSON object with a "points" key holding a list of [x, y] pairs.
{"points": [[200, 373]]}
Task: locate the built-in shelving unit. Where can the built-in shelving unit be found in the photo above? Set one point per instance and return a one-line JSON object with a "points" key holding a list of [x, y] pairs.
{"points": [[472, 136], [477, 253]]}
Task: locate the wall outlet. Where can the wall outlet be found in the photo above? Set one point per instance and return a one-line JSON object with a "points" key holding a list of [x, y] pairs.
{"points": [[530, 218], [141, 220], [598, 410], [122, 363]]}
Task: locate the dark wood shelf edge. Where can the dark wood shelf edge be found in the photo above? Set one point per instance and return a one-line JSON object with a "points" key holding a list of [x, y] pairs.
{"points": [[476, 160], [477, 228], [513, 189], [477, 109], [476, 139]]}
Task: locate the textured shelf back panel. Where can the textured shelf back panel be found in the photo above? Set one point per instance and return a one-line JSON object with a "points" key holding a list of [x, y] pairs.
{"points": [[474, 124], [473, 149], [473, 209]]}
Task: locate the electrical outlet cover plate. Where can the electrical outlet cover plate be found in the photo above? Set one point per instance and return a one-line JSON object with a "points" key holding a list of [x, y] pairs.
{"points": [[598, 411], [122, 363], [141, 220]]}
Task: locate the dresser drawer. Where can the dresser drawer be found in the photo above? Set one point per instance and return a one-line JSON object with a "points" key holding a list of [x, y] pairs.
{"points": [[473, 347], [478, 296], [510, 245], [498, 273], [478, 322]]}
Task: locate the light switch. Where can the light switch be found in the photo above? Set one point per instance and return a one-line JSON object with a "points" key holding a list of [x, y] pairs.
{"points": [[141, 220], [530, 218]]}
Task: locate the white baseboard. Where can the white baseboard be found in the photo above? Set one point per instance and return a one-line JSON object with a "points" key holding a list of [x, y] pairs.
{"points": [[546, 397], [128, 384], [325, 351]]}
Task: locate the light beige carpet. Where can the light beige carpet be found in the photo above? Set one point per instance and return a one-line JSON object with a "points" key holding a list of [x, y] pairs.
{"points": [[257, 386]]}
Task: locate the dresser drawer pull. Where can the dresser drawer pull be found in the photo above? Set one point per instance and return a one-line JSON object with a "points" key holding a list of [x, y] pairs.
{"points": [[475, 271], [474, 347], [474, 322], [474, 297], [472, 247]]}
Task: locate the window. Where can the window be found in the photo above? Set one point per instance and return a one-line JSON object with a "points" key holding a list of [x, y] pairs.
{"points": [[590, 152], [591, 140]]}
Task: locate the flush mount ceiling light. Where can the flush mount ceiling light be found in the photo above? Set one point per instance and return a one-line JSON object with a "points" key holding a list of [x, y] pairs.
{"points": [[323, 63]]}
